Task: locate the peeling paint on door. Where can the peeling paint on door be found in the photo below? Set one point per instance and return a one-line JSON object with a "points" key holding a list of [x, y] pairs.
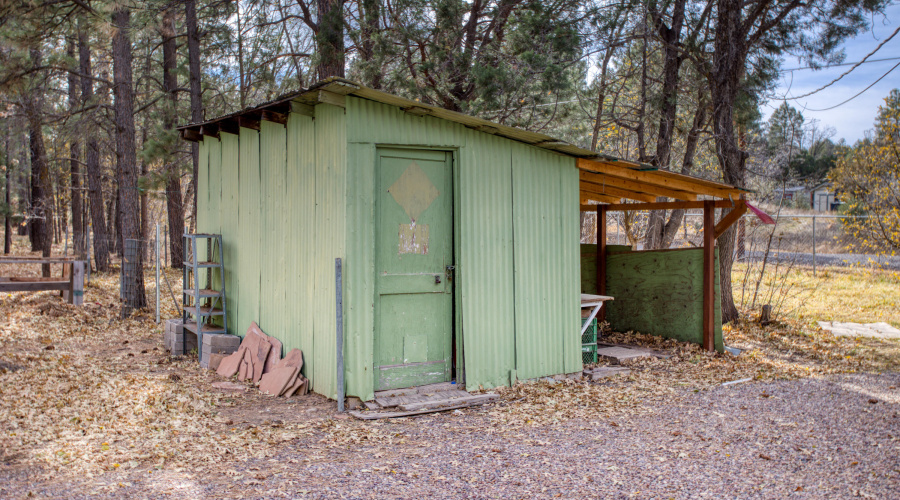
{"points": [[414, 238]]}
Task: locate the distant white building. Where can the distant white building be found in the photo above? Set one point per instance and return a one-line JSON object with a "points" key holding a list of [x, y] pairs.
{"points": [[822, 198]]}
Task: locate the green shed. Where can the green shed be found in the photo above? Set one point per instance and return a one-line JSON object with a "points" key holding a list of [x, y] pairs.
{"points": [[459, 238]]}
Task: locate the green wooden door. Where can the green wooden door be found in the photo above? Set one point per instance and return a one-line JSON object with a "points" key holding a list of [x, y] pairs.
{"points": [[414, 246]]}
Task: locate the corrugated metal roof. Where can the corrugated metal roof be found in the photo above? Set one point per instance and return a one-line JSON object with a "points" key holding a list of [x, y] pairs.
{"points": [[604, 178]]}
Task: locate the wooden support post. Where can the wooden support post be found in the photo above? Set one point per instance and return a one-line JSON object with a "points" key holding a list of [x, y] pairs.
{"points": [[601, 257], [66, 276], [709, 275], [76, 297]]}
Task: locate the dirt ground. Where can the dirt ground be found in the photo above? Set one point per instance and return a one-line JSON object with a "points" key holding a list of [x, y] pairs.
{"points": [[829, 437], [91, 405]]}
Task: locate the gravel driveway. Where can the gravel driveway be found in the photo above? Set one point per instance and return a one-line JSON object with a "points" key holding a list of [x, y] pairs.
{"points": [[834, 437]]}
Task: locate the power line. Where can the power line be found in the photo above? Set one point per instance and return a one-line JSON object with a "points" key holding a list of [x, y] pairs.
{"points": [[838, 65], [860, 92], [832, 82]]}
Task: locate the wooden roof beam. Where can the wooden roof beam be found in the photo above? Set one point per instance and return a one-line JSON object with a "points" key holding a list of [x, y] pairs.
{"points": [[210, 129], [610, 180], [302, 108], [248, 121], [230, 126], [332, 98], [740, 207], [665, 205], [678, 182], [190, 134], [274, 116], [703, 182], [614, 191], [586, 197]]}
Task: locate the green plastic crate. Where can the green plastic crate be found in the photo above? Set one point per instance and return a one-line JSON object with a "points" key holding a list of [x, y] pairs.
{"points": [[589, 353], [590, 335]]}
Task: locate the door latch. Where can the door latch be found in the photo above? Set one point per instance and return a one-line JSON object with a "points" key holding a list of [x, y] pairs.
{"points": [[450, 270]]}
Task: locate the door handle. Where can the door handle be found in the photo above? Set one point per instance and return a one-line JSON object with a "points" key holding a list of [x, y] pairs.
{"points": [[450, 272]]}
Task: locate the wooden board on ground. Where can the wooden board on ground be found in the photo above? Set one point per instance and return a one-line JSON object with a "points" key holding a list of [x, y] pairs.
{"points": [[388, 402], [375, 415], [422, 389], [478, 399]]}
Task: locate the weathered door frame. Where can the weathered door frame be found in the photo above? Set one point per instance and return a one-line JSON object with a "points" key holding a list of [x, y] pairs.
{"points": [[458, 363]]}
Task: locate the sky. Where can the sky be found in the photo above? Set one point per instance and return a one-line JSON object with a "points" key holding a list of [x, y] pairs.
{"points": [[852, 119]]}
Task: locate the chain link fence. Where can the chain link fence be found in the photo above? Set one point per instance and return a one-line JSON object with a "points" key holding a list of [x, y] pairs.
{"points": [[145, 266], [777, 266], [804, 239]]}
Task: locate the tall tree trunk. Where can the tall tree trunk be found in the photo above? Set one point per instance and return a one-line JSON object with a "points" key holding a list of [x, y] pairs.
{"points": [[117, 219], [672, 55], [92, 159], [126, 157], [42, 207], [330, 39], [112, 225], [370, 27], [75, 161], [193, 41], [25, 186], [36, 221], [7, 227], [174, 201], [727, 70]]}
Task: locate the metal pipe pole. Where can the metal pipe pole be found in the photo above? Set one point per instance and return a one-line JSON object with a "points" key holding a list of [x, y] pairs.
{"points": [[339, 316], [157, 272]]}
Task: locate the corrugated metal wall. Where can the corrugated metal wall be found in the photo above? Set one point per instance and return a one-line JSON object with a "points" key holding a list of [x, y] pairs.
{"points": [[277, 197], [543, 301], [299, 282], [485, 288], [516, 210], [229, 210], [330, 227], [289, 200]]}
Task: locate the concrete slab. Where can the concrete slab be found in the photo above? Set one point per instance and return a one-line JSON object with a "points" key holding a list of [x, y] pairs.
{"points": [[623, 355], [871, 330]]}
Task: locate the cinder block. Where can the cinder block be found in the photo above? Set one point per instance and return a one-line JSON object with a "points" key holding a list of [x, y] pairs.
{"points": [[176, 342], [221, 339], [174, 325], [212, 361], [219, 349]]}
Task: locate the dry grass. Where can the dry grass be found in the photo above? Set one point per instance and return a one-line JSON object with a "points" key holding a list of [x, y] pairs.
{"points": [[862, 295], [85, 392]]}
